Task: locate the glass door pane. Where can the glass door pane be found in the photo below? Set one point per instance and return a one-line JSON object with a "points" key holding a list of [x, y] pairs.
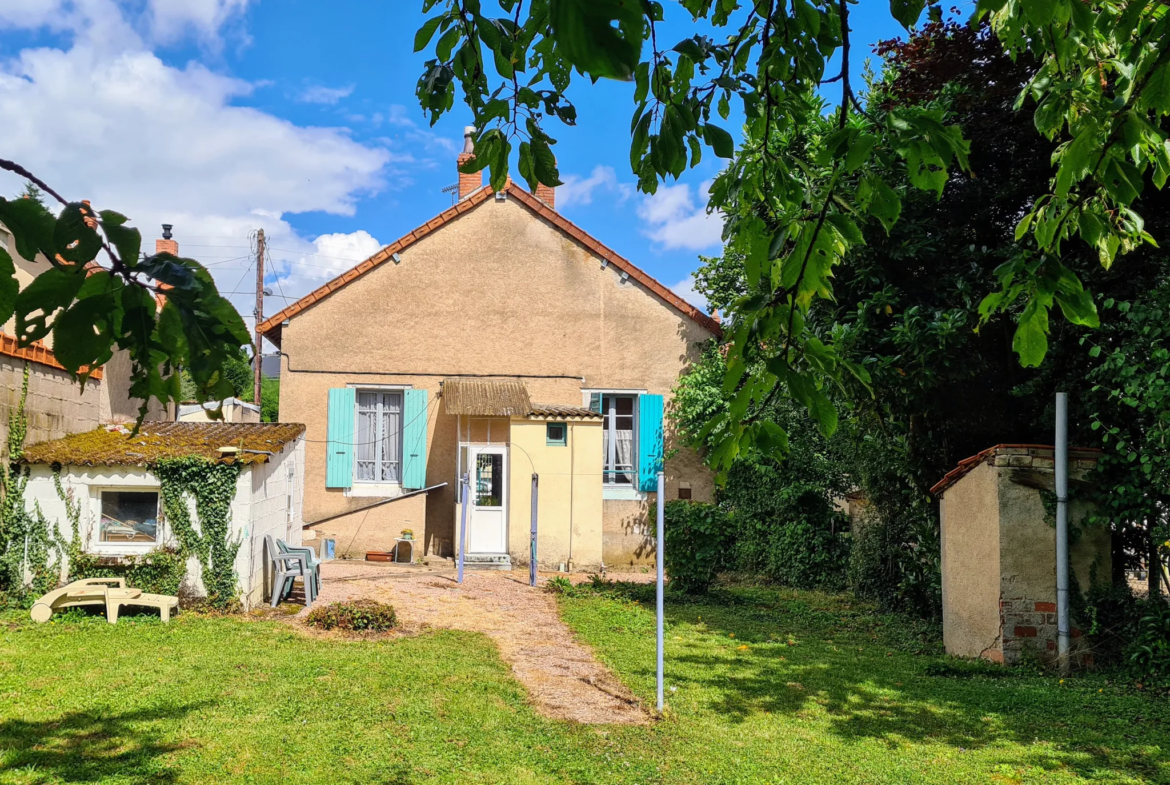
{"points": [[489, 480]]}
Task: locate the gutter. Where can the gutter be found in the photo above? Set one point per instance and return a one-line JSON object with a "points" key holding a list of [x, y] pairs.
{"points": [[372, 506]]}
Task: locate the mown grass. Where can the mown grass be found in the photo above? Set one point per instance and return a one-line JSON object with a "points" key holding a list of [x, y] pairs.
{"points": [[854, 700]]}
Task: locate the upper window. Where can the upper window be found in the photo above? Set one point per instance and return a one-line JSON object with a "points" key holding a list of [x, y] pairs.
{"points": [[618, 439], [378, 451], [129, 517]]}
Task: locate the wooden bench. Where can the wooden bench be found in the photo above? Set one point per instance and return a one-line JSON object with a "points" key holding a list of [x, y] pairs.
{"points": [[110, 592]]}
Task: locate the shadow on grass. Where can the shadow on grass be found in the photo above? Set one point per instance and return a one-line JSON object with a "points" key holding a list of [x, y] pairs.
{"points": [[862, 675], [92, 746]]}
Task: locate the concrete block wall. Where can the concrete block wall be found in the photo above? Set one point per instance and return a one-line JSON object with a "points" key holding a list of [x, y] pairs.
{"points": [[56, 405]]}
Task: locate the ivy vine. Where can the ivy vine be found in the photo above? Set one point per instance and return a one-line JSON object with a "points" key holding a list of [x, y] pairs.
{"points": [[213, 486]]}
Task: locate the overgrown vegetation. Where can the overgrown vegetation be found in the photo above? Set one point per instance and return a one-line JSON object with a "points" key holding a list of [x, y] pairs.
{"points": [[213, 487], [355, 616]]}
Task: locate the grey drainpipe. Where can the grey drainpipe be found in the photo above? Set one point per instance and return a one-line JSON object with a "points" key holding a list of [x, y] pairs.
{"points": [[1061, 456]]}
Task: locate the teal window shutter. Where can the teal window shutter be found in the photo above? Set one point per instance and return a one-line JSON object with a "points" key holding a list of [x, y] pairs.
{"points": [[595, 402], [339, 456], [414, 439], [650, 441]]}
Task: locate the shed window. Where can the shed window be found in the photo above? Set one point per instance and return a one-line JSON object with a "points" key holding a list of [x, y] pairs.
{"points": [[618, 438], [129, 516], [556, 433], [378, 451]]}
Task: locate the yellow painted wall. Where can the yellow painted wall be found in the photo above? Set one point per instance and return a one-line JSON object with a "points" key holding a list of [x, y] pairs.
{"points": [[569, 505]]}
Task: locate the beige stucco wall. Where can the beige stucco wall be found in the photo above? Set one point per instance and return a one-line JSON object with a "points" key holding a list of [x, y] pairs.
{"points": [[970, 563], [496, 291], [373, 529], [569, 516]]}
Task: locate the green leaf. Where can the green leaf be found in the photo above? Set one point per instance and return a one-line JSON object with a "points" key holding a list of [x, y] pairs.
{"points": [[545, 163], [31, 226], [720, 141], [40, 300], [1031, 338], [859, 151], [78, 337], [907, 11], [846, 227], [9, 286], [126, 239], [75, 239], [426, 32], [585, 35], [884, 203]]}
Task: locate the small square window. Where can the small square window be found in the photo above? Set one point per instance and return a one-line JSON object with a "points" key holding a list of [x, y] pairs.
{"points": [[684, 493], [129, 517], [556, 433]]}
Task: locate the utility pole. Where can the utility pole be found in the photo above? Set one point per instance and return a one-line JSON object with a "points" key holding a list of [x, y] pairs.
{"points": [[258, 313]]}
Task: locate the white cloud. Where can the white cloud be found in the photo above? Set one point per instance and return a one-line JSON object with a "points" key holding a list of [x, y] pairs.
{"points": [[575, 189], [172, 20], [107, 120], [318, 94], [674, 221], [686, 290]]}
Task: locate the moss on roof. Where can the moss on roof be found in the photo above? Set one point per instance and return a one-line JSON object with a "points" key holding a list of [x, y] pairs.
{"points": [[114, 445]]}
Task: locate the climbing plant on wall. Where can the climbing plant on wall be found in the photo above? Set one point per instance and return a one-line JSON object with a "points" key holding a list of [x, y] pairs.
{"points": [[30, 550], [213, 486]]}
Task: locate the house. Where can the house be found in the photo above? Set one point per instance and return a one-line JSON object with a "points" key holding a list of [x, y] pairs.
{"points": [[112, 475], [501, 340], [230, 410], [56, 405]]}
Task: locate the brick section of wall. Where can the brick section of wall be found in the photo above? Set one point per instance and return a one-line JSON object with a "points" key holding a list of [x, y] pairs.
{"points": [[166, 246], [547, 195], [468, 182], [1029, 626], [56, 405]]}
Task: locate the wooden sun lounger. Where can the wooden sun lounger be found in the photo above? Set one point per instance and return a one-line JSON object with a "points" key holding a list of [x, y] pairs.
{"points": [[110, 592]]}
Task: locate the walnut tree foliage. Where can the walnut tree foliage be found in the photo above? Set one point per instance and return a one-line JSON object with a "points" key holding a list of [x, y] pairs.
{"points": [[98, 293], [795, 204]]}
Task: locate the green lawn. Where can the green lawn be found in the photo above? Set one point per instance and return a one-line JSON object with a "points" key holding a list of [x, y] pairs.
{"points": [[225, 700]]}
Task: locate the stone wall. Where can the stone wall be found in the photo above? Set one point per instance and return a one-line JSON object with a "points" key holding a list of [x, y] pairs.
{"points": [[56, 405]]}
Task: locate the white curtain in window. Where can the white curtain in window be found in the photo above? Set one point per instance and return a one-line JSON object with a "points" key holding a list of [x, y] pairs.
{"points": [[625, 453], [366, 437]]}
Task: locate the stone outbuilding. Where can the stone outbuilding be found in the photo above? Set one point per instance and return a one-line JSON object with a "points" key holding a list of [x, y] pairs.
{"points": [[997, 512]]}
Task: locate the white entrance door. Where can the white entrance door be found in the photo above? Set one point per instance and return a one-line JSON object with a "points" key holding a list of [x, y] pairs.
{"points": [[488, 522]]}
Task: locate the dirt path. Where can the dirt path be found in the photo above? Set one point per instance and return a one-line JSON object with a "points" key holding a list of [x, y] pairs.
{"points": [[561, 675]]}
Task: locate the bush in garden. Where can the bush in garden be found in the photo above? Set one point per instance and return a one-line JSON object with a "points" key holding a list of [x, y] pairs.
{"points": [[356, 616], [697, 538]]}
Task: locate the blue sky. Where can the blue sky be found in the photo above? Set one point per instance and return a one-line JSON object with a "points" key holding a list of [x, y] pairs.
{"points": [[298, 116]]}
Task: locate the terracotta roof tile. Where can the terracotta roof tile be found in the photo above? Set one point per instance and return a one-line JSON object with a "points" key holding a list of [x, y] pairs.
{"points": [[988, 455], [271, 327], [36, 352]]}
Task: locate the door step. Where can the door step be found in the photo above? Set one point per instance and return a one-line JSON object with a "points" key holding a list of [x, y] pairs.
{"points": [[475, 561]]}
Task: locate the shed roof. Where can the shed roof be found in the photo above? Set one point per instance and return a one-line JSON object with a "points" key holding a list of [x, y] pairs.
{"points": [[556, 411], [1021, 455], [271, 328], [117, 446], [486, 398]]}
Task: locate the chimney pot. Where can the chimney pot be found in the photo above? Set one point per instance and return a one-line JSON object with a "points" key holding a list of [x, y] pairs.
{"points": [[166, 244], [167, 231]]}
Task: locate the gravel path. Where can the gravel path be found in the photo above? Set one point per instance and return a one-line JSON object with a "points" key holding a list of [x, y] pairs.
{"points": [[561, 675]]}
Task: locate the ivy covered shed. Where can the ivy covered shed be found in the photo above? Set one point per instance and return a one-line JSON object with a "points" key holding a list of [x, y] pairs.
{"points": [[210, 490]]}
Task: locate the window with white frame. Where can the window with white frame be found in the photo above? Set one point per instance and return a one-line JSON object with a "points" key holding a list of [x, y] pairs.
{"points": [[378, 449], [618, 439], [129, 517]]}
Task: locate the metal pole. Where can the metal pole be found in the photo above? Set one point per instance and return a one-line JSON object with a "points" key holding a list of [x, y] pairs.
{"points": [[463, 524], [660, 543], [1061, 456], [259, 358], [532, 544]]}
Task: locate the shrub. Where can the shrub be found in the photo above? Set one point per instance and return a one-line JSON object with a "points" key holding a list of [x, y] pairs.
{"points": [[356, 616], [1149, 649], [160, 571], [559, 584], [697, 536]]}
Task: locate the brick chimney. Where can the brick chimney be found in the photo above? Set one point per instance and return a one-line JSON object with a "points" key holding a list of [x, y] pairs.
{"points": [[468, 182], [547, 195], [166, 244]]}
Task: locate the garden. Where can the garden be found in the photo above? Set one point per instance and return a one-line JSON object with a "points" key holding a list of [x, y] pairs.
{"points": [[764, 685]]}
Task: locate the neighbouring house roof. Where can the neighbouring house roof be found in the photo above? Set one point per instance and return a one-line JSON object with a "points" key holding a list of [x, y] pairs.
{"points": [[556, 411], [1019, 455], [270, 328], [36, 352], [486, 398], [117, 446]]}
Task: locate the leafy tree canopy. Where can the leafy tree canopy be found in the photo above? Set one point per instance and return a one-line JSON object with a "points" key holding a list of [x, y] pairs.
{"points": [[806, 185]]}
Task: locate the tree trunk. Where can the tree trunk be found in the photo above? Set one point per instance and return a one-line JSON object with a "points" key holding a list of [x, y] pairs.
{"points": [[1153, 569]]}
